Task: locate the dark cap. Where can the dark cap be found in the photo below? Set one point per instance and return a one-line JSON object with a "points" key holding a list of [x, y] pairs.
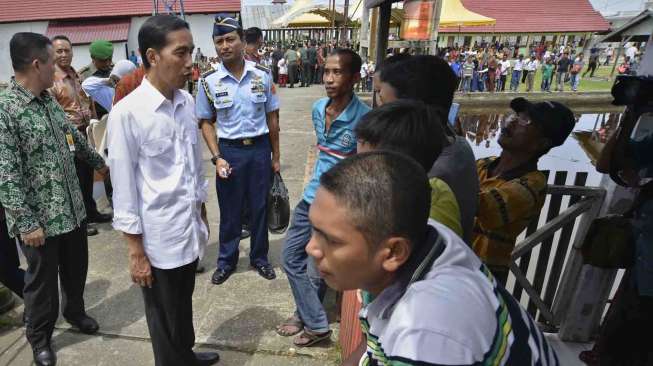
{"points": [[555, 120], [225, 23]]}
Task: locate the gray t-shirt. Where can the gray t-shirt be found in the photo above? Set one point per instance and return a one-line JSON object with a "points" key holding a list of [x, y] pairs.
{"points": [[456, 166]]}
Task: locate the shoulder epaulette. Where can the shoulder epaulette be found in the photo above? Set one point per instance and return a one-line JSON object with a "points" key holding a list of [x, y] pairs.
{"points": [[204, 75], [262, 68]]}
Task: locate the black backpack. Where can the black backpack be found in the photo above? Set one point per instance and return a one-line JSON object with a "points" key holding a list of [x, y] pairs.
{"points": [[278, 206]]}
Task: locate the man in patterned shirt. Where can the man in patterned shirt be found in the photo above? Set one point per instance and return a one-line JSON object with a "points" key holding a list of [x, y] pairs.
{"points": [[40, 192]]}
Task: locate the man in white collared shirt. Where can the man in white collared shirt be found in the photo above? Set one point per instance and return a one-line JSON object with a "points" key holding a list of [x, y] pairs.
{"points": [[160, 190]]}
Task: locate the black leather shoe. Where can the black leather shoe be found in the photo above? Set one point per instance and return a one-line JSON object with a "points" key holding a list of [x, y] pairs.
{"points": [[220, 275], [244, 234], [266, 271], [207, 358], [91, 231], [200, 269], [85, 324], [99, 218], [45, 356]]}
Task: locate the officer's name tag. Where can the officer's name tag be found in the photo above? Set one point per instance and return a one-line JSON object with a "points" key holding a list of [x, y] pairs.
{"points": [[70, 141], [221, 94]]}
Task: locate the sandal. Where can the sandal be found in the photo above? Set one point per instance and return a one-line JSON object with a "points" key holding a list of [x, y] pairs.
{"points": [[590, 358], [308, 338], [290, 327]]}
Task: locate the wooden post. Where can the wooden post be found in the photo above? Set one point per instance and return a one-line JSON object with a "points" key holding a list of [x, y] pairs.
{"points": [[433, 47], [343, 35], [383, 31], [364, 31], [374, 25]]}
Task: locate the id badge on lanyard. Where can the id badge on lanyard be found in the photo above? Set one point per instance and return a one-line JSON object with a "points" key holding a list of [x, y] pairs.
{"points": [[70, 141]]}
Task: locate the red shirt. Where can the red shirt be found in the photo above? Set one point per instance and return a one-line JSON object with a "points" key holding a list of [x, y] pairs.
{"points": [[128, 84]]}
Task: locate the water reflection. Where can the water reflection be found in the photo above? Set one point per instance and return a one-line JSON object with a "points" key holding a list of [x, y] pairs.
{"points": [[577, 154]]}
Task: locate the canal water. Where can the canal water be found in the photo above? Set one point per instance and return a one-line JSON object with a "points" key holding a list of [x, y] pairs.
{"points": [[575, 155]]}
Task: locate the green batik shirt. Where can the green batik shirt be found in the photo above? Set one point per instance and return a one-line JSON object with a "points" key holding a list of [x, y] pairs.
{"points": [[38, 180]]}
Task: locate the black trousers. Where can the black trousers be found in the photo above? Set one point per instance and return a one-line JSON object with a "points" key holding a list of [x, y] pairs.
{"points": [[85, 175], [65, 258], [292, 73], [10, 273], [169, 313], [524, 74], [504, 79], [591, 68], [307, 75]]}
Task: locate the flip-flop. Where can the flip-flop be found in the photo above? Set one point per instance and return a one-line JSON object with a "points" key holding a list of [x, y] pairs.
{"points": [[290, 322], [307, 338]]}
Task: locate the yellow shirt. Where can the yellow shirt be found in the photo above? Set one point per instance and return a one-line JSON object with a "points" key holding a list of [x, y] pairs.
{"points": [[444, 206], [507, 204]]}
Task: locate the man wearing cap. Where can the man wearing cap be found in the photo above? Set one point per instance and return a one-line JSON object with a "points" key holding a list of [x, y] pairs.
{"points": [[79, 108], [101, 65], [238, 103], [512, 190]]}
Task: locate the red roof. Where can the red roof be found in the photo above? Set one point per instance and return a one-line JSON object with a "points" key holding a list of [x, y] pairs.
{"points": [[551, 16], [82, 32], [32, 10]]}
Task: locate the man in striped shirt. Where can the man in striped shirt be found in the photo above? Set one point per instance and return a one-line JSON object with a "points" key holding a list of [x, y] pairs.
{"points": [[435, 302]]}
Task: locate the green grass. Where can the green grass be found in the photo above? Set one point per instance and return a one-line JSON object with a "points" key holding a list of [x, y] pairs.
{"points": [[600, 82]]}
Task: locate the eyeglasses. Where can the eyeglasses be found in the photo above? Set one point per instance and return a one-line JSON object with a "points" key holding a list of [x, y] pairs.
{"points": [[514, 117]]}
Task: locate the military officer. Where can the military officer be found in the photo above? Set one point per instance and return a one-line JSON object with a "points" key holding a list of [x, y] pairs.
{"points": [[236, 107], [101, 65]]}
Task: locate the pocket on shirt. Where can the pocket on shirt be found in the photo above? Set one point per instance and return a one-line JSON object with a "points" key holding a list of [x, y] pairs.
{"points": [[159, 158], [258, 98]]}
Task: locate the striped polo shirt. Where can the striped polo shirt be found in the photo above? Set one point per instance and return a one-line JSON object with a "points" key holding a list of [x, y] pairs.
{"points": [[447, 309]]}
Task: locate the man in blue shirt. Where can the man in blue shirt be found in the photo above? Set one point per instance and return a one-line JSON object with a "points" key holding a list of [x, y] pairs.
{"points": [[334, 119], [238, 103]]}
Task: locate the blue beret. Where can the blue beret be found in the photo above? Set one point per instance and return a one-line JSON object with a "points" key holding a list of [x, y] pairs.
{"points": [[225, 23]]}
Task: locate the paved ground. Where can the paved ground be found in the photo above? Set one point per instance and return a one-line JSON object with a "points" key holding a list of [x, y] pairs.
{"points": [[237, 318]]}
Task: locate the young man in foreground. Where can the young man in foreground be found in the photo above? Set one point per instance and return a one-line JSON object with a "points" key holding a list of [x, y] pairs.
{"points": [[334, 119], [435, 303]]}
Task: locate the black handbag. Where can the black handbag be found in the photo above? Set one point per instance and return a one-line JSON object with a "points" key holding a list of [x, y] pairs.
{"points": [[610, 242], [278, 206]]}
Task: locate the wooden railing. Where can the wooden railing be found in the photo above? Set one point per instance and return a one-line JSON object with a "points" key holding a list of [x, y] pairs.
{"points": [[544, 261]]}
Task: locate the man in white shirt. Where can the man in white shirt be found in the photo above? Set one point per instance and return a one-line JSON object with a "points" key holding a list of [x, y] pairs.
{"points": [[631, 51], [516, 73], [160, 190], [531, 67], [505, 69], [434, 302]]}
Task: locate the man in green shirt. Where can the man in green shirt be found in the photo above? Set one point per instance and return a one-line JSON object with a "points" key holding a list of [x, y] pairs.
{"points": [[291, 61], [547, 75], [40, 192]]}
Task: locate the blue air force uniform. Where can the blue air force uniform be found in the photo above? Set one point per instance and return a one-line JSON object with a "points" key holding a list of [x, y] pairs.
{"points": [[239, 108]]}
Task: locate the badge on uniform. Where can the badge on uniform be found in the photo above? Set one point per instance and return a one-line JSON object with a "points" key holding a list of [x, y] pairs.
{"points": [[71, 142], [257, 84]]}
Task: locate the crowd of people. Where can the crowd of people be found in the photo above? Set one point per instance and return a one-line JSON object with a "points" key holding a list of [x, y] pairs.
{"points": [[398, 214], [495, 67]]}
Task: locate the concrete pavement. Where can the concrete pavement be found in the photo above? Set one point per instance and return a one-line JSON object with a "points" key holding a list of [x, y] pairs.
{"points": [[237, 318]]}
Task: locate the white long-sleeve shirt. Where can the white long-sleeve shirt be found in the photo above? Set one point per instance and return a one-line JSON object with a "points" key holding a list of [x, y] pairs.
{"points": [[156, 171]]}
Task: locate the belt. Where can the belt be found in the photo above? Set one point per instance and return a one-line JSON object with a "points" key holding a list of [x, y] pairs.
{"points": [[245, 141]]}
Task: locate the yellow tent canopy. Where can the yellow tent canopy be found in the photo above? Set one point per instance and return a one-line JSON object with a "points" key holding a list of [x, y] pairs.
{"points": [[454, 14], [309, 20]]}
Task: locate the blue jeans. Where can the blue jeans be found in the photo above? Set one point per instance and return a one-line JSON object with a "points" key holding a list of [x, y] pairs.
{"points": [[514, 81], [467, 83], [575, 81], [305, 283], [546, 84], [249, 183]]}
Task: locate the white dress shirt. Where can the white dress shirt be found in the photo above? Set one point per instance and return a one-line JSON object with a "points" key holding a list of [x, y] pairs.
{"points": [[156, 171]]}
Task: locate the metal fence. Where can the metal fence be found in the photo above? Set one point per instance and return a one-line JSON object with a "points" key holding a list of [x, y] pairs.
{"points": [[545, 259]]}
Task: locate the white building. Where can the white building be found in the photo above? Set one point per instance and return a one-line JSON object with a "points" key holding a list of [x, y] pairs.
{"points": [[89, 20]]}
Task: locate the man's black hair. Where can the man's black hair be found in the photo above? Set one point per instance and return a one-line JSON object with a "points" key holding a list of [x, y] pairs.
{"points": [[406, 126], [253, 35], [386, 194], [25, 47], [154, 33], [353, 62], [424, 77], [63, 38]]}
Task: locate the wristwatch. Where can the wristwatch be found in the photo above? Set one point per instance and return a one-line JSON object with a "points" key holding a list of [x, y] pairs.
{"points": [[215, 158]]}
